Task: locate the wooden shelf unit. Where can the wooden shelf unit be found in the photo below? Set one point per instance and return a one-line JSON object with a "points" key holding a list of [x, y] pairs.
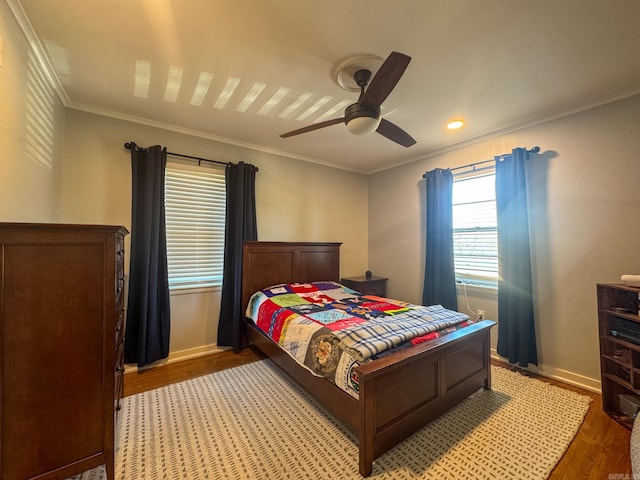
{"points": [[619, 331]]}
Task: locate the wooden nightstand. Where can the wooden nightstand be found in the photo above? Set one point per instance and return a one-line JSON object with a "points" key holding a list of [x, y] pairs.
{"points": [[367, 285]]}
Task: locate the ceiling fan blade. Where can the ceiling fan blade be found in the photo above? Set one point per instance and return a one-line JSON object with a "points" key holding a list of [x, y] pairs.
{"points": [[395, 133], [315, 126], [386, 78]]}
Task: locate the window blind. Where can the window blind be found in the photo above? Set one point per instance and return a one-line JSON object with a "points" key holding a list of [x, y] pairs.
{"points": [[475, 232], [195, 218]]}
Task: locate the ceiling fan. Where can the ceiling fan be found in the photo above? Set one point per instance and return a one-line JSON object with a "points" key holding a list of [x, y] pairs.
{"points": [[363, 117]]}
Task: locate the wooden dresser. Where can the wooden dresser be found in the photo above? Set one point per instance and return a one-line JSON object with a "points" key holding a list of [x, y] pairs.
{"points": [[61, 348]]}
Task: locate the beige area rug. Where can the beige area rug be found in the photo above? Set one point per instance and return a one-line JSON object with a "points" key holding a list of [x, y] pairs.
{"points": [[252, 422]]}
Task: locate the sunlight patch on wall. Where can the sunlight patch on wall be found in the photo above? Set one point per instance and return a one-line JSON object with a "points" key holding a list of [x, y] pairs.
{"points": [[40, 115]]}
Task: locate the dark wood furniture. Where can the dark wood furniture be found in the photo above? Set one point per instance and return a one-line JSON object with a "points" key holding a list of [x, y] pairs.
{"points": [[619, 329], [61, 304], [399, 393], [367, 285]]}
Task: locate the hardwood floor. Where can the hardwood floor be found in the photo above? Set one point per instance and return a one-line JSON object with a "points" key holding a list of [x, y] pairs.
{"points": [[600, 450]]}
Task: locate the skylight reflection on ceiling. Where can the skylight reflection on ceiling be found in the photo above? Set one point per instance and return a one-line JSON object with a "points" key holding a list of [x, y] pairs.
{"points": [[273, 101], [313, 108], [295, 104], [142, 79], [174, 82], [204, 82], [227, 92], [336, 111], [251, 97], [307, 106]]}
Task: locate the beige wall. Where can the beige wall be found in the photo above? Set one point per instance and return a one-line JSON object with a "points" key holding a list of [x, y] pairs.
{"points": [[584, 205], [296, 201], [31, 132]]}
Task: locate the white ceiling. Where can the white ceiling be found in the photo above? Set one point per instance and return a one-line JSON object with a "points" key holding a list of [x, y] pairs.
{"points": [[497, 64]]}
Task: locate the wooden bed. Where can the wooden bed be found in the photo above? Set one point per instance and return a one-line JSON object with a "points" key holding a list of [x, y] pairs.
{"points": [[399, 393]]}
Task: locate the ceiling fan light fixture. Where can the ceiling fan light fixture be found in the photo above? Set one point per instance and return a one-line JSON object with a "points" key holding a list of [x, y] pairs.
{"points": [[363, 125], [362, 119]]}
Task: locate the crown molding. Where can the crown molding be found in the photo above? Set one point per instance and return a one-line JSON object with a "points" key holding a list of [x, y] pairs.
{"points": [[200, 134]]}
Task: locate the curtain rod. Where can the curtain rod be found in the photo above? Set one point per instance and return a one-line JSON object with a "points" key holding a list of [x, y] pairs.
{"points": [[128, 146], [535, 149]]}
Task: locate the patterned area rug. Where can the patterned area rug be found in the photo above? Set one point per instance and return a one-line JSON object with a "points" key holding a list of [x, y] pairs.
{"points": [[252, 422]]}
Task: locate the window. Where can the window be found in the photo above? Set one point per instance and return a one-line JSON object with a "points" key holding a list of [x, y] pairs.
{"points": [[195, 218], [475, 230]]}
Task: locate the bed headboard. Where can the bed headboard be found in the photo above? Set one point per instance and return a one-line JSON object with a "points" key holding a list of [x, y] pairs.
{"points": [[269, 263]]}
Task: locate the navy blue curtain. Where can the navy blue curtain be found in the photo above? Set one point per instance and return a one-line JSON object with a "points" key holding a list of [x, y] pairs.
{"points": [[240, 226], [148, 313], [439, 271], [516, 329]]}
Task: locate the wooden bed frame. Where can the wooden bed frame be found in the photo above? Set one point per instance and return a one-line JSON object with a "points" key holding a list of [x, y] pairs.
{"points": [[399, 393]]}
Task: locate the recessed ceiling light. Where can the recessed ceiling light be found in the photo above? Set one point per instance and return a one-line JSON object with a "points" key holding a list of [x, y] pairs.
{"points": [[455, 124]]}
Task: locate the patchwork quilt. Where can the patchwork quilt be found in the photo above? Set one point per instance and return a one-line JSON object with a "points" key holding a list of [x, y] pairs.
{"points": [[331, 329]]}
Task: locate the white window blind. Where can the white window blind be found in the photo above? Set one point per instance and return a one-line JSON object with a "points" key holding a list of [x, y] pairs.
{"points": [[195, 218], [475, 230]]}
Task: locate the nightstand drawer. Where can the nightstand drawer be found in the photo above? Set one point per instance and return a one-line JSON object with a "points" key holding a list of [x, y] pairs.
{"points": [[367, 285]]}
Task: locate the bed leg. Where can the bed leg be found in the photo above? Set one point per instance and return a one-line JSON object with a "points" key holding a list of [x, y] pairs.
{"points": [[366, 433], [366, 467], [487, 380], [365, 454]]}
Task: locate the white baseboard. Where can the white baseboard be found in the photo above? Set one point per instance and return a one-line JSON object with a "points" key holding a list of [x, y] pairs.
{"points": [[591, 384], [179, 356]]}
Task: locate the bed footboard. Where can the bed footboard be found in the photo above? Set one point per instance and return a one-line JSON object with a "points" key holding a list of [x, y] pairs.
{"points": [[405, 391]]}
